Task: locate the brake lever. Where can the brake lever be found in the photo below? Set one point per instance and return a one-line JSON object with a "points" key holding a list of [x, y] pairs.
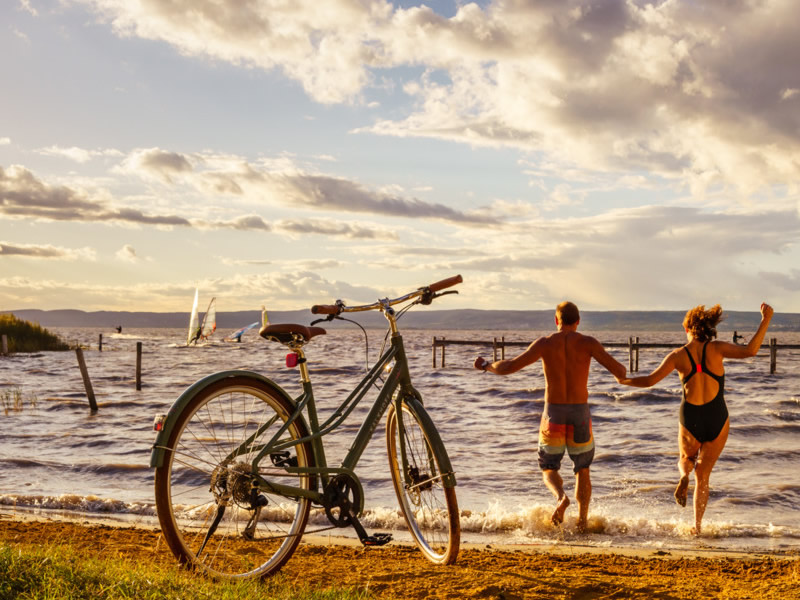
{"points": [[328, 318]]}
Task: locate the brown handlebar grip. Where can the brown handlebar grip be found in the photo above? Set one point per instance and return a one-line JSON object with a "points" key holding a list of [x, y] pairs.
{"points": [[445, 283], [325, 309]]}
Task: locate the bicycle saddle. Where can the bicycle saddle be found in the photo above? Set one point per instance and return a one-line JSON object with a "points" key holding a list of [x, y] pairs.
{"points": [[286, 332]]}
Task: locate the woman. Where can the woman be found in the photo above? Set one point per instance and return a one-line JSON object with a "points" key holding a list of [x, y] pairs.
{"points": [[704, 422]]}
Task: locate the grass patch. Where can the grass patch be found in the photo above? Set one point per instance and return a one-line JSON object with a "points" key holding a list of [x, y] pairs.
{"points": [[24, 336], [14, 400], [59, 572]]}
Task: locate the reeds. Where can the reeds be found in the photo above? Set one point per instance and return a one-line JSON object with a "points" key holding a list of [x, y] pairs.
{"points": [[13, 400], [24, 336]]}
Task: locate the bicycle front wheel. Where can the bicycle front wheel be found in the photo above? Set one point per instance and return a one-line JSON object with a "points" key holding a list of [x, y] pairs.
{"points": [[214, 514], [430, 509]]}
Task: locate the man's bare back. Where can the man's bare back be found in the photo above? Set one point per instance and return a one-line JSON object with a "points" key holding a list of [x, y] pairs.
{"points": [[566, 358]]}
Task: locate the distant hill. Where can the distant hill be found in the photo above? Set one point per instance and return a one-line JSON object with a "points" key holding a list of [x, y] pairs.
{"points": [[495, 320]]}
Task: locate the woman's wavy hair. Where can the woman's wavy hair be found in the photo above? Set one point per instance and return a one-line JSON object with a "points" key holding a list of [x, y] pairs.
{"points": [[702, 323]]}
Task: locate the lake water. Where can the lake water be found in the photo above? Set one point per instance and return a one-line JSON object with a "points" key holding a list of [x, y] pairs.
{"points": [[57, 458]]}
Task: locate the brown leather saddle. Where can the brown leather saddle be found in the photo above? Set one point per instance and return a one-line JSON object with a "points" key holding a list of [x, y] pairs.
{"points": [[288, 332]]}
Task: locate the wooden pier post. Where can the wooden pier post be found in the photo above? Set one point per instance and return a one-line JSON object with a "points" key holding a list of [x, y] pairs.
{"points": [[630, 354], [100, 343], [773, 355], [138, 366], [494, 349], [636, 359], [433, 351], [5, 345], [87, 383], [443, 345], [503, 348]]}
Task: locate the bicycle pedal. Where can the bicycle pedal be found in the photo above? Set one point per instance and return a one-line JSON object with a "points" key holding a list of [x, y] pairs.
{"points": [[377, 539]]}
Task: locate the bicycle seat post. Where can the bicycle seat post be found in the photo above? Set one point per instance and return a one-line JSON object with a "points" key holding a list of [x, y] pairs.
{"points": [[296, 346]]}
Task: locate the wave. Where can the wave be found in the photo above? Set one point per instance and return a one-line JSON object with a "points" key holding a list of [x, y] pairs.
{"points": [[522, 524], [73, 502]]}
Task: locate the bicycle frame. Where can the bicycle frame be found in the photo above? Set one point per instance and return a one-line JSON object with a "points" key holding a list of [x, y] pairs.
{"points": [[397, 379]]}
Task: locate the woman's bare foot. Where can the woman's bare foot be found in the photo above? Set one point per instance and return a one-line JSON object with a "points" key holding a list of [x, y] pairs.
{"points": [[558, 514], [696, 530], [682, 491]]}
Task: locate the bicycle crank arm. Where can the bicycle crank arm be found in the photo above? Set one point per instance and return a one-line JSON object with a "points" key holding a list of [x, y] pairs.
{"points": [[376, 539]]}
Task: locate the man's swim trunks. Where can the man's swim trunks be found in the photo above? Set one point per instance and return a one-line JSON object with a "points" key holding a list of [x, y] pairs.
{"points": [[565, 427], [704, 421]]}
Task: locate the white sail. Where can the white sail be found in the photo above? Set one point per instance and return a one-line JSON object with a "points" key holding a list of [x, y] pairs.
{"points": [[209, 320], [193, 320]]}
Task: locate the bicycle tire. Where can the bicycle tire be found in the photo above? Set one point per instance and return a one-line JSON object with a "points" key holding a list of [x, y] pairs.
{"points": [[429, 507], [197, 471]]}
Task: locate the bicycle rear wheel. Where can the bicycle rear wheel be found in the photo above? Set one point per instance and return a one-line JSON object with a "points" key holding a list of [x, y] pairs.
{"points": [[212, 513], [430, 509]]}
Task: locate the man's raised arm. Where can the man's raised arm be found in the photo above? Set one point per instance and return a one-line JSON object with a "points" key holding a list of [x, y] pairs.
{"points": [[512, 365]]}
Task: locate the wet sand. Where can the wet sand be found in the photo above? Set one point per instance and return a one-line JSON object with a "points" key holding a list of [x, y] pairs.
{"points": [[400, 571]]}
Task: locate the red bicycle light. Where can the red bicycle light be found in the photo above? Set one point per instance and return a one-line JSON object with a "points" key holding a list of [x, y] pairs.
{"points": [[291, 360], [158, 422]]}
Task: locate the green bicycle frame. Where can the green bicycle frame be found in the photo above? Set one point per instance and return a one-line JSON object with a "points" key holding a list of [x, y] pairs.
{"points": [[398, 379]]}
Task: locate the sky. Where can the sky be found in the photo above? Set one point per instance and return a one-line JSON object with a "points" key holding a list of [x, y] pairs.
{"points": [[625, 155]]}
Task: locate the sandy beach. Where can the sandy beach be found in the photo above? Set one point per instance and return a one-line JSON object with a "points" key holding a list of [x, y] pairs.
{"points": [[397, 571]]}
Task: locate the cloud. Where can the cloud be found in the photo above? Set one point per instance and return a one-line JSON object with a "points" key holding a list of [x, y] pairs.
{"points": [[285, 183], [355, 231], [127, 253], [694, 94], [295, 290], [79, 155], [45, 252], [22, 194], [156, 162]]}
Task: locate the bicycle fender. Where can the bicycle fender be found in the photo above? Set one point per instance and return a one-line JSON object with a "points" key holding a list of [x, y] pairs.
{"points": [[158, 450], [449, 476]]}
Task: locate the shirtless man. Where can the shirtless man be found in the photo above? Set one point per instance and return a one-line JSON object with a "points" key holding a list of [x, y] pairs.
{"points": [[566, 422]]}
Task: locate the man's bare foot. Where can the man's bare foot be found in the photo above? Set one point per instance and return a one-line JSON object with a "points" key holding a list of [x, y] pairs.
{"points": [[581, 526], [682, 491], [558, 514], [696, 530]]}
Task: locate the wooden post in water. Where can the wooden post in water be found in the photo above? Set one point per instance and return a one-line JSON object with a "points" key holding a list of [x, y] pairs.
{"points": [[494, 349], [87, 383], [630, 354], [433, 351], [636, 360], [773, 355], [503, 348], [100, 343], [5, 345], [443, 345], [138, 366]]}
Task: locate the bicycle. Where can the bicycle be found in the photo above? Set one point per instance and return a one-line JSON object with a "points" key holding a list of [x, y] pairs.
{"points": [[226, 510]]}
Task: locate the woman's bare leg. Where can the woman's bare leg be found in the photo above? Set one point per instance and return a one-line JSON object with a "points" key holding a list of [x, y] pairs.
{"points": [[688, 447], [706, 459]]}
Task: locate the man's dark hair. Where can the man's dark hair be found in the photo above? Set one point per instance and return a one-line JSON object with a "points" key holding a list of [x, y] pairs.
{"points": [[567, 313]]}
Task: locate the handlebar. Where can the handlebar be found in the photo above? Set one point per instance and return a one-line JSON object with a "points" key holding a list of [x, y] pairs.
{"points": [[325, 309], [339, 307]]}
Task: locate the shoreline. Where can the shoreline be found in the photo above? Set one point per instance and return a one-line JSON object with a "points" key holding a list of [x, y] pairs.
{"points": [[399, 570], [573, 544]]}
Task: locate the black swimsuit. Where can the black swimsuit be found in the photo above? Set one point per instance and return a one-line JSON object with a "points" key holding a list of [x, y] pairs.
{"points": [[704, 421]]}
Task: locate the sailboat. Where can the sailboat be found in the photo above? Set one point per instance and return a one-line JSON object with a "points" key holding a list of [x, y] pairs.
{"points": [[201, 331], [236, 336]]}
